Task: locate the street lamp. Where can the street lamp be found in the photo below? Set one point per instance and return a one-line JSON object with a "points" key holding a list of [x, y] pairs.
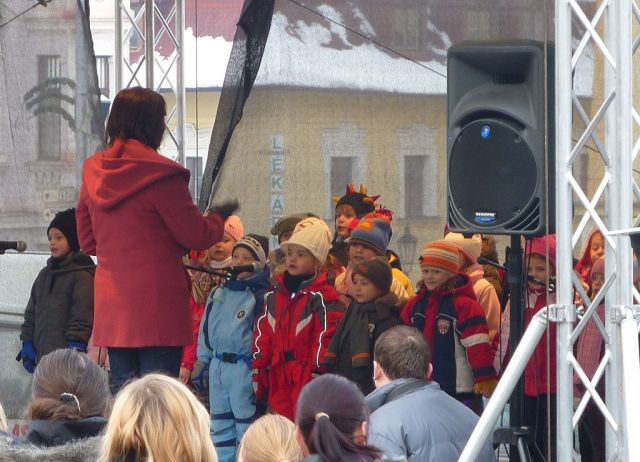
{"points": [[407, 244]]}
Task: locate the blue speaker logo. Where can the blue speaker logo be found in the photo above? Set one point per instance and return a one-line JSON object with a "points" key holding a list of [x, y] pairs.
{"points": [[485, 132], [485, 217]]}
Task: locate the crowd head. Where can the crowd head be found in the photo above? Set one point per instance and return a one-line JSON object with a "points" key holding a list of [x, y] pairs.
{"points": [[67, 385], [402, 353], [270, 438], [158, 419], [332, 419]]}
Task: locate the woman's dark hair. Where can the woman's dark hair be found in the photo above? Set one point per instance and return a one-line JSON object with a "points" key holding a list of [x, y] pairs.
{"points": [[68, 385], [330, 410], [137, 113]]}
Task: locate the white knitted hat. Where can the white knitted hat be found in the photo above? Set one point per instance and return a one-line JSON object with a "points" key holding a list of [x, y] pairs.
{"points": [[314, 235], [471, 246]]}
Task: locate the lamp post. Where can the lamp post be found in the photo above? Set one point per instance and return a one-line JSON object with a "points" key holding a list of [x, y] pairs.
{"points": [[407, 244]]}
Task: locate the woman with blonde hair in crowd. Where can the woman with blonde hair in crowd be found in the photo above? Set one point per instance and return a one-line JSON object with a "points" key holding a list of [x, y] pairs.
{"points": [[271, 438], [157, 419]]}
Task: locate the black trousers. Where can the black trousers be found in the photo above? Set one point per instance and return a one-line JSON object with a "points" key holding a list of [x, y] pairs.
{"points": [[534, 415]]}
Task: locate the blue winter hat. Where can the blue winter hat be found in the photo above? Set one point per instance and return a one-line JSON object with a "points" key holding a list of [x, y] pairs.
{"points": [[372, 233]]}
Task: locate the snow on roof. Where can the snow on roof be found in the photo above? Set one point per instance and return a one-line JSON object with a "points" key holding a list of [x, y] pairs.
{"points": [[305, 60]]}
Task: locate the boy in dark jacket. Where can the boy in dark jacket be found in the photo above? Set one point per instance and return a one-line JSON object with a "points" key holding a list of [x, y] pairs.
{"points": [[373, 311], [59, 313], [445, 310]]}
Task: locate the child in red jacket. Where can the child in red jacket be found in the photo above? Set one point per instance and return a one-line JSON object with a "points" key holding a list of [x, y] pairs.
{"points": [[445, 310], [299, 318], [540, 371]]}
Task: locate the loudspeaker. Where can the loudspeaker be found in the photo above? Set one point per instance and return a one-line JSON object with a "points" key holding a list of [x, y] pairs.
{"points": [[496, 137]]}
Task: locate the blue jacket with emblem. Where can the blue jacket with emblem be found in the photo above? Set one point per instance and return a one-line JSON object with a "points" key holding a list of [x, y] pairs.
{"points": [[229, 317]]}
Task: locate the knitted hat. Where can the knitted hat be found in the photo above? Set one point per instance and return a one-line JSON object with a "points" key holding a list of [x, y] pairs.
{"points": [[257, 245], [66, 222], [288, 223], [442, 255], [377, 270], [471, 246], [372, 233], [314, 235], [233, 226], [538, 246], [359, 201]]}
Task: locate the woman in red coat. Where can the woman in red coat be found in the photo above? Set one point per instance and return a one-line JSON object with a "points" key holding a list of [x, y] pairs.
{"points": [[136, 215]]}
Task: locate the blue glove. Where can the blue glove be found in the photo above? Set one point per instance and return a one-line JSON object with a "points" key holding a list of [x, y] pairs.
{"points": [[28, 356], [200, 376], [78, 346]]}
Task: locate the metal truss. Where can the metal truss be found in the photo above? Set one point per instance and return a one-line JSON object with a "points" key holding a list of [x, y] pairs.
{"points": [[616, 118], [148, 26]]}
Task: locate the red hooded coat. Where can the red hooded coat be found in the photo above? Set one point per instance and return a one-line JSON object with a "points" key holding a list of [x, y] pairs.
{"points": [[136, 214]]}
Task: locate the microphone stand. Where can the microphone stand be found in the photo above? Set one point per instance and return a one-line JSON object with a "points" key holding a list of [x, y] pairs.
{"points": [[517, 436], [209, 270]]}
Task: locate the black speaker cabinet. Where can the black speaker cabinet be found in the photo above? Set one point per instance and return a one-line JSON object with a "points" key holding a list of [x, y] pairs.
{"points": [[496, 138]]}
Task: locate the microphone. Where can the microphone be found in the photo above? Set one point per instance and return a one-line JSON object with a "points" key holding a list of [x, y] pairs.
{"points": [[252, 268], [486, 261], [552, 282], [18, 246]]}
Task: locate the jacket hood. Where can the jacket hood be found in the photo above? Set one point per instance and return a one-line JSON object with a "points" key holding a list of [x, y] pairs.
{"points": [[75, 261], [390, 300], [314, 284], [82, 450], [124, 169], [380, 396], [254, 282], [461, 285], [54, 433], [475, 272]]}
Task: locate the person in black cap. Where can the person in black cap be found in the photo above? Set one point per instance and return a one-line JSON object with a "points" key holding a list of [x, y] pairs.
{"points": [[59, 313]]}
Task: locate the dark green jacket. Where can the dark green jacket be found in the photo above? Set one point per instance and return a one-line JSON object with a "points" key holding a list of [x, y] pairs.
{"points": [[60, 308]]}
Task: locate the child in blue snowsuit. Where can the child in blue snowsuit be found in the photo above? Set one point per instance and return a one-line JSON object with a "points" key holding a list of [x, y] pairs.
{"points": [[224, 346]]}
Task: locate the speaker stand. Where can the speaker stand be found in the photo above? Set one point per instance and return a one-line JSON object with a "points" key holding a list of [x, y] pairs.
{"points": [[514, 279]]}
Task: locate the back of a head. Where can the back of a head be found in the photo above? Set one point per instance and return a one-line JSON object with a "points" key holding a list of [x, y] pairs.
{"points": [[330, 411], [270, 438], [68, 385], [158, 419], [137, 113], [403, 353]]}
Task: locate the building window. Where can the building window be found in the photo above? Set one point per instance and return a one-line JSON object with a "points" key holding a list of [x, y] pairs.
{"points": [[406, 28], [341, 174], [102, 66], [49, 108], [418, 171], [194, 165], [414, 167], [345, 155]]}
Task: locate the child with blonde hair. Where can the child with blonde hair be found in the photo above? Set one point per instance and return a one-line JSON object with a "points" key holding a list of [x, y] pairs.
{"points": [[271, 438], [157, 419]]}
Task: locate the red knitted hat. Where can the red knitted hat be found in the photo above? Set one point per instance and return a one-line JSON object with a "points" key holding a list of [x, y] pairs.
{"points": [[442, 255]]}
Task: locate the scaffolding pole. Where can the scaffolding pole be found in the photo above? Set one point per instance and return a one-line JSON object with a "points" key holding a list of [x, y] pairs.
{"points": [[141, 65]]}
